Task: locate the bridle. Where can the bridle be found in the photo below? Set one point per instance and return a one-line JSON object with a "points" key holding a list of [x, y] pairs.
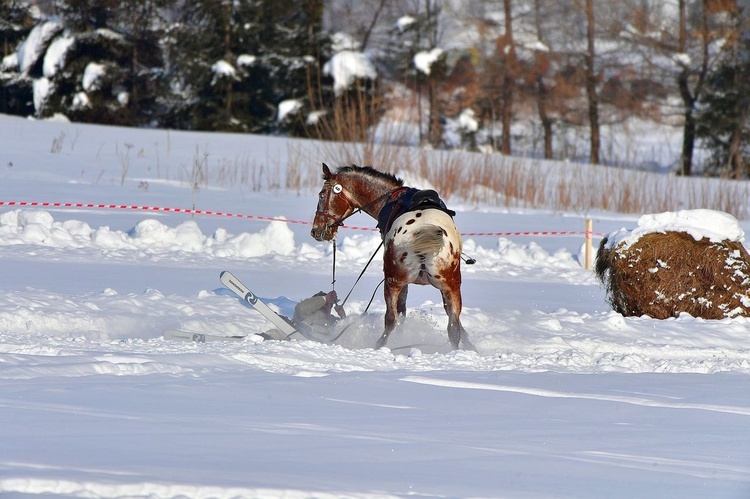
{"points": [[332, 187]]}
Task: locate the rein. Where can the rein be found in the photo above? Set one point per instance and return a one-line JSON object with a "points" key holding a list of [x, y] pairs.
{"points": [[336, 188], [360, 274], [333, 272]]}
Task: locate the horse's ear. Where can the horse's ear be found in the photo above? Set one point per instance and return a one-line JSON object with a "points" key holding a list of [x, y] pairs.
{"points": [[326, 171]]}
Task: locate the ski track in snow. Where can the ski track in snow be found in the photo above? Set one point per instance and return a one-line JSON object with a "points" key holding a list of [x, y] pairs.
{"points": [[151, 489], [743, 411]]}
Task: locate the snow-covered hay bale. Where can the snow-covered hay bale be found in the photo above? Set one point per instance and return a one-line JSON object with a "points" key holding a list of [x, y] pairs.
{"points": [[690, 261]]}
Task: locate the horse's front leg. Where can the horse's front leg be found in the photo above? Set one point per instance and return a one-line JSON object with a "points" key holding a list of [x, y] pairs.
{"points": [[394, 294]]}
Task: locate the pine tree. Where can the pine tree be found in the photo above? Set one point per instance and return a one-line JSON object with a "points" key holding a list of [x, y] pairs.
{"points": [[232, 63], [112, 71], [16, 21], [723, 123]]}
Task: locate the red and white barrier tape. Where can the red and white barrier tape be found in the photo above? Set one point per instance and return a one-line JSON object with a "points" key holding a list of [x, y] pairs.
{"points": [[188, 211], [536, 233]]}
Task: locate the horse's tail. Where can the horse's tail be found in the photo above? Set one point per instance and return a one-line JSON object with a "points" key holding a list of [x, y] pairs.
{"points": [[428, 240]]}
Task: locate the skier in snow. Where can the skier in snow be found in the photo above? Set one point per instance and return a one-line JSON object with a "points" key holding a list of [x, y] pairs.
{"points": [[313, 317], [316, 311]]}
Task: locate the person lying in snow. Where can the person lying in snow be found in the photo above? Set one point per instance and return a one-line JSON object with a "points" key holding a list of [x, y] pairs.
{"points": [[313, 318]]}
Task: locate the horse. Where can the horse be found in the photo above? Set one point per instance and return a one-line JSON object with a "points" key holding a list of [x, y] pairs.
{"points": [[421, 241]]}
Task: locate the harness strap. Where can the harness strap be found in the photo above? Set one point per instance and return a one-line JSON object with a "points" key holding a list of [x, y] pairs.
{"points": [[406, 199], [363, 272], [363, 313], [395, 206], [333, 276]]}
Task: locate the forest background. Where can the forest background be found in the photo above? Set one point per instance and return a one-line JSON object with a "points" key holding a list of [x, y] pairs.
{"points": [[537, 78]]}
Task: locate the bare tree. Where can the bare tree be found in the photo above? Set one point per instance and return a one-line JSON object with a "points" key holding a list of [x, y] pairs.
{"points": [[692, 40], [359, 19], [541, 65], [691, 93], [432, 16], [591, 81], [508, 53]]}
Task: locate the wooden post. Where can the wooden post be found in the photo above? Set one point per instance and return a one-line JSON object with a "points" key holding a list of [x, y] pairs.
{"points": [[589, 251]]}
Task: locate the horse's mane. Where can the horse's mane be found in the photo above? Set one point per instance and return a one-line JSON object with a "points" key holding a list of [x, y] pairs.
{"points": [[369, 171]]}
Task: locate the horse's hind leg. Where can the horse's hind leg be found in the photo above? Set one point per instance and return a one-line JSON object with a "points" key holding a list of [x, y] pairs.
{"points": [[395, 304], [401, 303], [452, 306], [456, 332]]}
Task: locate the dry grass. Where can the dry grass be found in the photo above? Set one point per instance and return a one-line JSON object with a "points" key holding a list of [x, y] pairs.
{"points": [[665, 274], [461, 176], [526, 183]]}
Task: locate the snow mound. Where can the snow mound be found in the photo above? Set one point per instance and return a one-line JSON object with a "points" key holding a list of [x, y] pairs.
{"points": [[713, 225], [38, 227]]}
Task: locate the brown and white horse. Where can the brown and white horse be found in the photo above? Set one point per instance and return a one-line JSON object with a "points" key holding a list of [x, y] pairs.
{"points": [[422, 244]]}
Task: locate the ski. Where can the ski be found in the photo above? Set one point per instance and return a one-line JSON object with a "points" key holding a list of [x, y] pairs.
{"points": [[235, 285], [182, 335]]}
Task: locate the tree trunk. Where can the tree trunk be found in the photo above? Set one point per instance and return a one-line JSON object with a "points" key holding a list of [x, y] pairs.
{"points": [[689, 98], [734, 160], [688, 141], [435, 132], [593, 98], [688, 134], [228, 56], [508, 79], [545, 119], [542, 92]]}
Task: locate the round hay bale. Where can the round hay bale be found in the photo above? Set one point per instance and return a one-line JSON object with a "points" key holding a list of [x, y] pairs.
{"points": [[662, 274]]}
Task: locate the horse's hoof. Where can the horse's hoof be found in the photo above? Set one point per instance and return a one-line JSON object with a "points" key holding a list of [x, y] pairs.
{"points": [[380, 343], [467, 345]]}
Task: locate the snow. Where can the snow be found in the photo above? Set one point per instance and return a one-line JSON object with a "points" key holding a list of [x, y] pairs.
{"points": [[30, 50], [222, 69], [564, 398], [10, 62], [81, 101], [93, 73], [341, 41], [288, 107], [713, 225], [41, 90], [54, 57], [467, 120], [682, 59], [424, 60], [404, 22], [246, 59], [313, 118], [537, 46], [346, 66]]}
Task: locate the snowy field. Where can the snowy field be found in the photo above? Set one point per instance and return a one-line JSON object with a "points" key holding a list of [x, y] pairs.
{"points": [[563, 399]]}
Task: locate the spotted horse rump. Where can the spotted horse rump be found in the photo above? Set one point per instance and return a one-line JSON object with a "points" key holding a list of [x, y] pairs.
{"points": [[425, 246], [422, 243]]}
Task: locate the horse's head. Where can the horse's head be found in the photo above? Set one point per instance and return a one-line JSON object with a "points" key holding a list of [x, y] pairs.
{"points": [[334, 205]]}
